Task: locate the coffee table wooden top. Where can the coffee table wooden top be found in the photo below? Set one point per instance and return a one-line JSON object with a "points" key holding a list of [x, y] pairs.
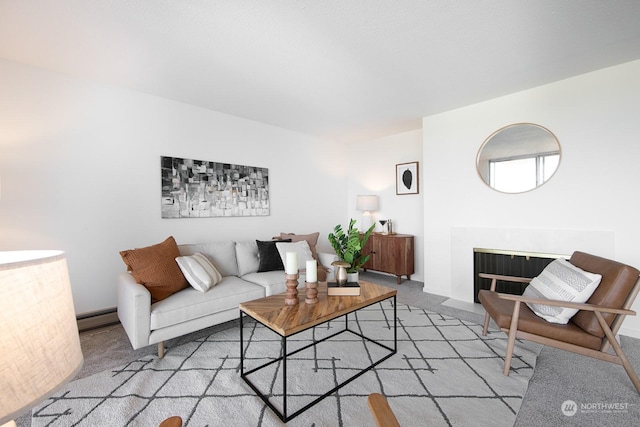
{"points": [[289, 319]]}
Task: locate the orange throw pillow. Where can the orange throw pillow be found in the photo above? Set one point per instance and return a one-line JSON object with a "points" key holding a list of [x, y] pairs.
{"points": [[155, 268]]}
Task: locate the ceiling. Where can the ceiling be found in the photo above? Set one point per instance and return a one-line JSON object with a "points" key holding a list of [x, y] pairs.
{"points": [[342, 69]]}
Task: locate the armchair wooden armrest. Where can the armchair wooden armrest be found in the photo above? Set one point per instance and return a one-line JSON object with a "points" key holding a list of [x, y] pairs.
{"points": [[381, 411], [566, 304], [171, 422]]}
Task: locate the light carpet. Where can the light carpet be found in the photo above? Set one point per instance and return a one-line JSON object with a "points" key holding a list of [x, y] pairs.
{"points": [[444, 373]]}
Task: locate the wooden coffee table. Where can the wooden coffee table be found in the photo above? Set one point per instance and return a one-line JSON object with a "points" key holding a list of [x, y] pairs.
{"points": [[287, 321]]}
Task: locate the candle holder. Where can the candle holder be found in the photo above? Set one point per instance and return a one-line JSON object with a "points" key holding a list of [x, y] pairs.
{"points": [[291, 295], [311, 292]]}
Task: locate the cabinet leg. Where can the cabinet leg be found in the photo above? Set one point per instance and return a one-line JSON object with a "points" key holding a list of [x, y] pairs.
{"points": [[398, 279]]}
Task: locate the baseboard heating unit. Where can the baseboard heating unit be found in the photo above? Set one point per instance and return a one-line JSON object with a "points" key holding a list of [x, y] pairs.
{"points": [[97, 319]]}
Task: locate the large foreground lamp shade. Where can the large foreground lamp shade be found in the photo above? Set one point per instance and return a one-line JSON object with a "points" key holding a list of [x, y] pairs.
{"points": [[39, 341], [367, 204]]}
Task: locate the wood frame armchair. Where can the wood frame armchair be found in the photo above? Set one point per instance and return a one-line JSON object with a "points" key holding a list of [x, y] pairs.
{"points": [[591, 332]]}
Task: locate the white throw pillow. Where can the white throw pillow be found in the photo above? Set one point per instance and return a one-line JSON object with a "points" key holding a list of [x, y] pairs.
{"points": [[199, 271], [561, 281], [301, 248]]}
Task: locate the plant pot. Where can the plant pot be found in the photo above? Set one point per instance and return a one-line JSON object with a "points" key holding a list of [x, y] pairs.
{"points": [[353, 277]]}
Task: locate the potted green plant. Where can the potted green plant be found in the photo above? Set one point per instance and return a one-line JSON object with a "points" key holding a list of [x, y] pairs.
{"points": [[348, 245]]}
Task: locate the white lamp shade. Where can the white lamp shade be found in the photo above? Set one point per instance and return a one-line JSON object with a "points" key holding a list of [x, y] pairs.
{"points": [[39, 341], [367, 203]]}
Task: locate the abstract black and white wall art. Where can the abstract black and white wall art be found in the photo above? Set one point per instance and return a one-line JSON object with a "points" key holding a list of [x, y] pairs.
{"points": [[407, 178], [198, 188]]}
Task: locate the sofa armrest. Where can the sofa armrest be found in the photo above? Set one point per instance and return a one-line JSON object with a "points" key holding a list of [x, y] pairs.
{"points": [[325, 259], [134, 310]]}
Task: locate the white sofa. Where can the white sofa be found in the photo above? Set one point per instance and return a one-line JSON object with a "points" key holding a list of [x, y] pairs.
{"points": [[190, 310]]}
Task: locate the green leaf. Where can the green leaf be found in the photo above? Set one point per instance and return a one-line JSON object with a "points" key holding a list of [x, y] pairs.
{"points": [[348, 245]]}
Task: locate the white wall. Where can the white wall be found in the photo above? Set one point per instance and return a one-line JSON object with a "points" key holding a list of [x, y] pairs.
{"points": [[80, 170], [372, 170], [591, 203]]}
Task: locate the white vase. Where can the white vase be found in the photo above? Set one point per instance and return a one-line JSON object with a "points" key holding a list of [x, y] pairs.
{"points": [[353, 277]]}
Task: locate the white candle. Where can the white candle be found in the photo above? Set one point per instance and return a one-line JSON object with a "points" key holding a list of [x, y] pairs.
{"points": [[312, 271], [292, 263]]}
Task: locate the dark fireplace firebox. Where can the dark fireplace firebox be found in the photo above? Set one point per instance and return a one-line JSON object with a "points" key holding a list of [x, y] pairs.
{"points": [[507, 263]]}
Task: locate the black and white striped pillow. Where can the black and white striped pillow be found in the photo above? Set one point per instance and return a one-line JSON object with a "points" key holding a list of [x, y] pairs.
{"points": [[561, 281]]}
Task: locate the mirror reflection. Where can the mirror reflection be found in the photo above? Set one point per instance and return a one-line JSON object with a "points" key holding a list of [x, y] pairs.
{"points": [[518, 158]]}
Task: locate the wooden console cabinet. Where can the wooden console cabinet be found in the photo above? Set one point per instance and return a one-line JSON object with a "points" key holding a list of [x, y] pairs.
{"points": [[390, 253]]}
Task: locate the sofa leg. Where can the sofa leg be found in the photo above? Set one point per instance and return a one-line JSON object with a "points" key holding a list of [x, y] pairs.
{"points": [[161, 349]]}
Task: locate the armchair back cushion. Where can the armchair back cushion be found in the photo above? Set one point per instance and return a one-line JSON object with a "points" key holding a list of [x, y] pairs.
{"points": [[617, 281]]}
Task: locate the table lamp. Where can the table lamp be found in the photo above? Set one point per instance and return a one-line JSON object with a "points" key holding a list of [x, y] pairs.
{"points": [[39, 341], [367, 203]]}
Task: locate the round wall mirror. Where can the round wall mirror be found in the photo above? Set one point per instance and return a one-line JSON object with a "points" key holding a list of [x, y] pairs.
{"points": [[518, 158]]}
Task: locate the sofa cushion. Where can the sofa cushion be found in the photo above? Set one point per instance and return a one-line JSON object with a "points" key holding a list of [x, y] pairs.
{"points": [[247, 256], [155, 268], [190, 304], [199, 271], [312, 240], [221, 254], [561, 281], [268, 256], [300, 247], [273, 282]]}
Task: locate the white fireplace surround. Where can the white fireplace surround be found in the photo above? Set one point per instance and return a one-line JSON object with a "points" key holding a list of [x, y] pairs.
{"points": [[562, 242]]}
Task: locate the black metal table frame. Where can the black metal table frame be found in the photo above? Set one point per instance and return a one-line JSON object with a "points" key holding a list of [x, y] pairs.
{"points": [[283, 351]]}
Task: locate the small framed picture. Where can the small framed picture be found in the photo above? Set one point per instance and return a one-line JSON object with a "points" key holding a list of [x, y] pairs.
{"points": [[407, 178]]}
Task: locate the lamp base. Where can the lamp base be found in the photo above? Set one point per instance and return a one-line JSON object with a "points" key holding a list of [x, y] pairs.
{"points": [[367, 221]]}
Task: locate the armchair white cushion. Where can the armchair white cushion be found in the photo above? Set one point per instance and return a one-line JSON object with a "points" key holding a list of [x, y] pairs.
{"points": [[561, 281]]}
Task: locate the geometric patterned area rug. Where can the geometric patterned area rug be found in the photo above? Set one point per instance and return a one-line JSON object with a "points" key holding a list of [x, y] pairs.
{"points": [[444, 373]]}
